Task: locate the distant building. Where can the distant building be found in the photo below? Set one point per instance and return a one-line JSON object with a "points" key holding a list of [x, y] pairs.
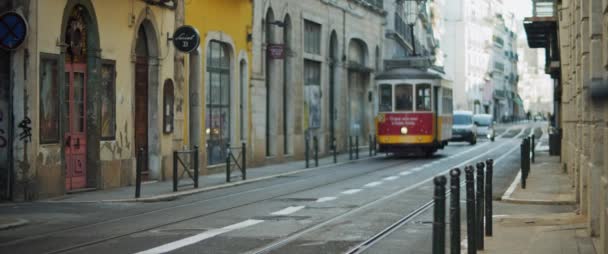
{"points": [[535, 86]]}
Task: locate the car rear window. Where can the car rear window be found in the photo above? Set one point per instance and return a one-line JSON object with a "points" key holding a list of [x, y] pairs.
{"points": [[462, 119]]}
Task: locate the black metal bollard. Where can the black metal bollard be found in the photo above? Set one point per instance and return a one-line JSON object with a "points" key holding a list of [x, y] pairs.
{"points": [[244, 160], [307, 150], [138, 168], [522, 162], [375, 146], [489, 175], [532, 144], [439, 216], [480, 204], [228, 164], [315, 142], [455, 211], [175, 154], [370, 145], [196, 166], [357, 147], [334, 146], [350, 148], [470, 185]]}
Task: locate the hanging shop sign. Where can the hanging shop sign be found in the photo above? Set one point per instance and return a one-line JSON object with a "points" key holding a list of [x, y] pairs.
{"points": [[13, 30], [186, 39]]}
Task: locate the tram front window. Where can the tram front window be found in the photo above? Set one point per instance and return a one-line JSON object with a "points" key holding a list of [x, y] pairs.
{"points": [[403, 97], [386, 98], [423, 97]]}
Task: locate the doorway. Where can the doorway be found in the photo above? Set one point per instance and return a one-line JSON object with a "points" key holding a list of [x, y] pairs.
{"points": [[141, 100]]}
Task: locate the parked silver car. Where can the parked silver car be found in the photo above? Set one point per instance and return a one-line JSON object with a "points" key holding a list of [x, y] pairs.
{"points": [[485, 126], [464, 128]]}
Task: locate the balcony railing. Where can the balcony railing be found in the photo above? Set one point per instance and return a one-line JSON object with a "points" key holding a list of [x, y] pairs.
{"points": [[544, 8], [403, 29]]}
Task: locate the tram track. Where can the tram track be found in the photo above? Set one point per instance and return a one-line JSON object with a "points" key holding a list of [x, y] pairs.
{"points": [[84, 245], [276, 245]]}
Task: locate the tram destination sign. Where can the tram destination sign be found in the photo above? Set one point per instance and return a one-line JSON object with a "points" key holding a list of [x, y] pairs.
{"points": [[13, 30], [186, 39]]}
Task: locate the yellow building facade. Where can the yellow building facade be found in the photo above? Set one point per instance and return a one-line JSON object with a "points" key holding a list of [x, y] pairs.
{"points": [[225, 53]]}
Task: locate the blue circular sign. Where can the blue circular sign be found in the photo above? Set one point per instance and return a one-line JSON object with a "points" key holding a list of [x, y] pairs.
{"points": [[13, 30]]}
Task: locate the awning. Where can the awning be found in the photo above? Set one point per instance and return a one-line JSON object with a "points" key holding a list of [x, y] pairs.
{"points": [[540, 30]]}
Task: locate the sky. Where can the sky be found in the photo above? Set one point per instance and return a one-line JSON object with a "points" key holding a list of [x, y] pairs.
{"points": [[521, 8]]}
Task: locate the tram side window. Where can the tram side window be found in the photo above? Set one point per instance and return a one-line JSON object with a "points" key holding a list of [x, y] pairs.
{"points": [[447, 101], [423, 97], [386, 98], [404, 97]]}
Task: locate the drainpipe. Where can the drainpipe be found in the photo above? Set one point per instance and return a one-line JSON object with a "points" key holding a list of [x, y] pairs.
{"points": [[195, 110]]}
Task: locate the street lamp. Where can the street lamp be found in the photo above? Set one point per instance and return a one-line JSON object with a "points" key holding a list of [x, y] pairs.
{"points": [[412, 10]]}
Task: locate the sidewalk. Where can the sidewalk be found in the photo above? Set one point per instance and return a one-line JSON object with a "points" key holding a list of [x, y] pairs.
{"points": [[8, 223], [163, 191], [540, 219]]}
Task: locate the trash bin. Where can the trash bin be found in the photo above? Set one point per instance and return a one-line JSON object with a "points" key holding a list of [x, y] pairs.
{"points": [[555, 142]]}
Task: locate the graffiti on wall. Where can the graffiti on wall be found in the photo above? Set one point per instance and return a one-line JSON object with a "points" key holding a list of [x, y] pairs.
{"points": [[26, 130]]}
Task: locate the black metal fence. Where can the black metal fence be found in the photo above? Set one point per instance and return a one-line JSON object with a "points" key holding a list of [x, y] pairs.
{"points": [[478, 208], [187, 161], [236, 157]]}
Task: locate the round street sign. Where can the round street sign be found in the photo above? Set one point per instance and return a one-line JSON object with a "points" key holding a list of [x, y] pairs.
{"points": [[13, 30], [186, 39]]}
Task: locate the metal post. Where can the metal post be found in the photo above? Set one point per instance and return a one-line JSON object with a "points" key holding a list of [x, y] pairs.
{"points": [[470, 185], [357, 147], [439, 216], [370, 145], [196, 166], [244, 160], [335, 150], [455, 211], [228, 163], [480, 204], [138, 169], [489, 175], [533, 143], [307, 150], [350, 148], [175, 154], [316, 144], [522, 162], [375, 146]]}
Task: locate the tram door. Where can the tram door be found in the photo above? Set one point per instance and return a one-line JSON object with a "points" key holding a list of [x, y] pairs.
{"points": [[436, 111]]}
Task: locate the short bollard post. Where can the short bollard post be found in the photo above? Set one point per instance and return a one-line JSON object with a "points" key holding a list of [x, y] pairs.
{"points": [[528, 141], [175, 154], [307, 150], [480, 204], [196, 166], [228, 164], [350, 148], [439, 216], [532, 144], [334, 147], [522, 162], [139, 161], [375, 146], [470, 185], [370, 145], [316, 144], [455, 211], [489, 175], [357, 147], [244, 160]]}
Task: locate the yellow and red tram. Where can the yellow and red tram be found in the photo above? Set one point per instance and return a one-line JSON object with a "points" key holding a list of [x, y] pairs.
{"points": [[414, 111]]}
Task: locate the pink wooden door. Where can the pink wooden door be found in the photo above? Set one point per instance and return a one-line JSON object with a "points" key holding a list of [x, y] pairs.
{"points": [[75, 136]]}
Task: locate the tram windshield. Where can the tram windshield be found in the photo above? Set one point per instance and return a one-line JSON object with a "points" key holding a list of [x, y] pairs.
{"points": [[385, 98], [404, 97], [423, 97]]}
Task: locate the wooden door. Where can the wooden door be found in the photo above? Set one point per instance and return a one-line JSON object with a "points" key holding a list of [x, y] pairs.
{"points": [[76, 135], [141, 111]]}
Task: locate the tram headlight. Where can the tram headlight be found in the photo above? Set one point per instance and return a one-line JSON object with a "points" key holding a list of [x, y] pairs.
{"points": [[403, 130]]}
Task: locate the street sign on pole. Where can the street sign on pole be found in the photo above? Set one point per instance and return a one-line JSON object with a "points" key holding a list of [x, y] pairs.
{"points": [[186, 39], [13, 30]]}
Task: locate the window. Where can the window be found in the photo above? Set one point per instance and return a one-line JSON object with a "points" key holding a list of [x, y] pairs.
{"points": [[168, 103], [312, 38], [423, 97], [498, 66], [108, 96], [312, 82], [447, 101], [385, 99], [217, 90], [49, 99], [404, 98]]}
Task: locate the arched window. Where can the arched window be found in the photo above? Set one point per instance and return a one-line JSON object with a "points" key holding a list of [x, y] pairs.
{"points": [[217, 83], [168, 103]]}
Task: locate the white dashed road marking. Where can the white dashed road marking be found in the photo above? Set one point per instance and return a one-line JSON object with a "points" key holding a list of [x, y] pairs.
{"points": [[405, 173], [288, 210], [391, 178], [325, 199], [351, 191], [373, 184]]}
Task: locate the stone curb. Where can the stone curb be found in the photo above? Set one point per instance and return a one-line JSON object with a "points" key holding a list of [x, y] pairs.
{"points": [[18, 223], [176, 195]]}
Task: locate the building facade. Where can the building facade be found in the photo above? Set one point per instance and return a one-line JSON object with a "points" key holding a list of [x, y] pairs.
{"points": [[313, 65], [86, 91]]}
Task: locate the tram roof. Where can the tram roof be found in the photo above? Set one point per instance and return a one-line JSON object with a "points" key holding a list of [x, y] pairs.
{"points": [[408, 73]]}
